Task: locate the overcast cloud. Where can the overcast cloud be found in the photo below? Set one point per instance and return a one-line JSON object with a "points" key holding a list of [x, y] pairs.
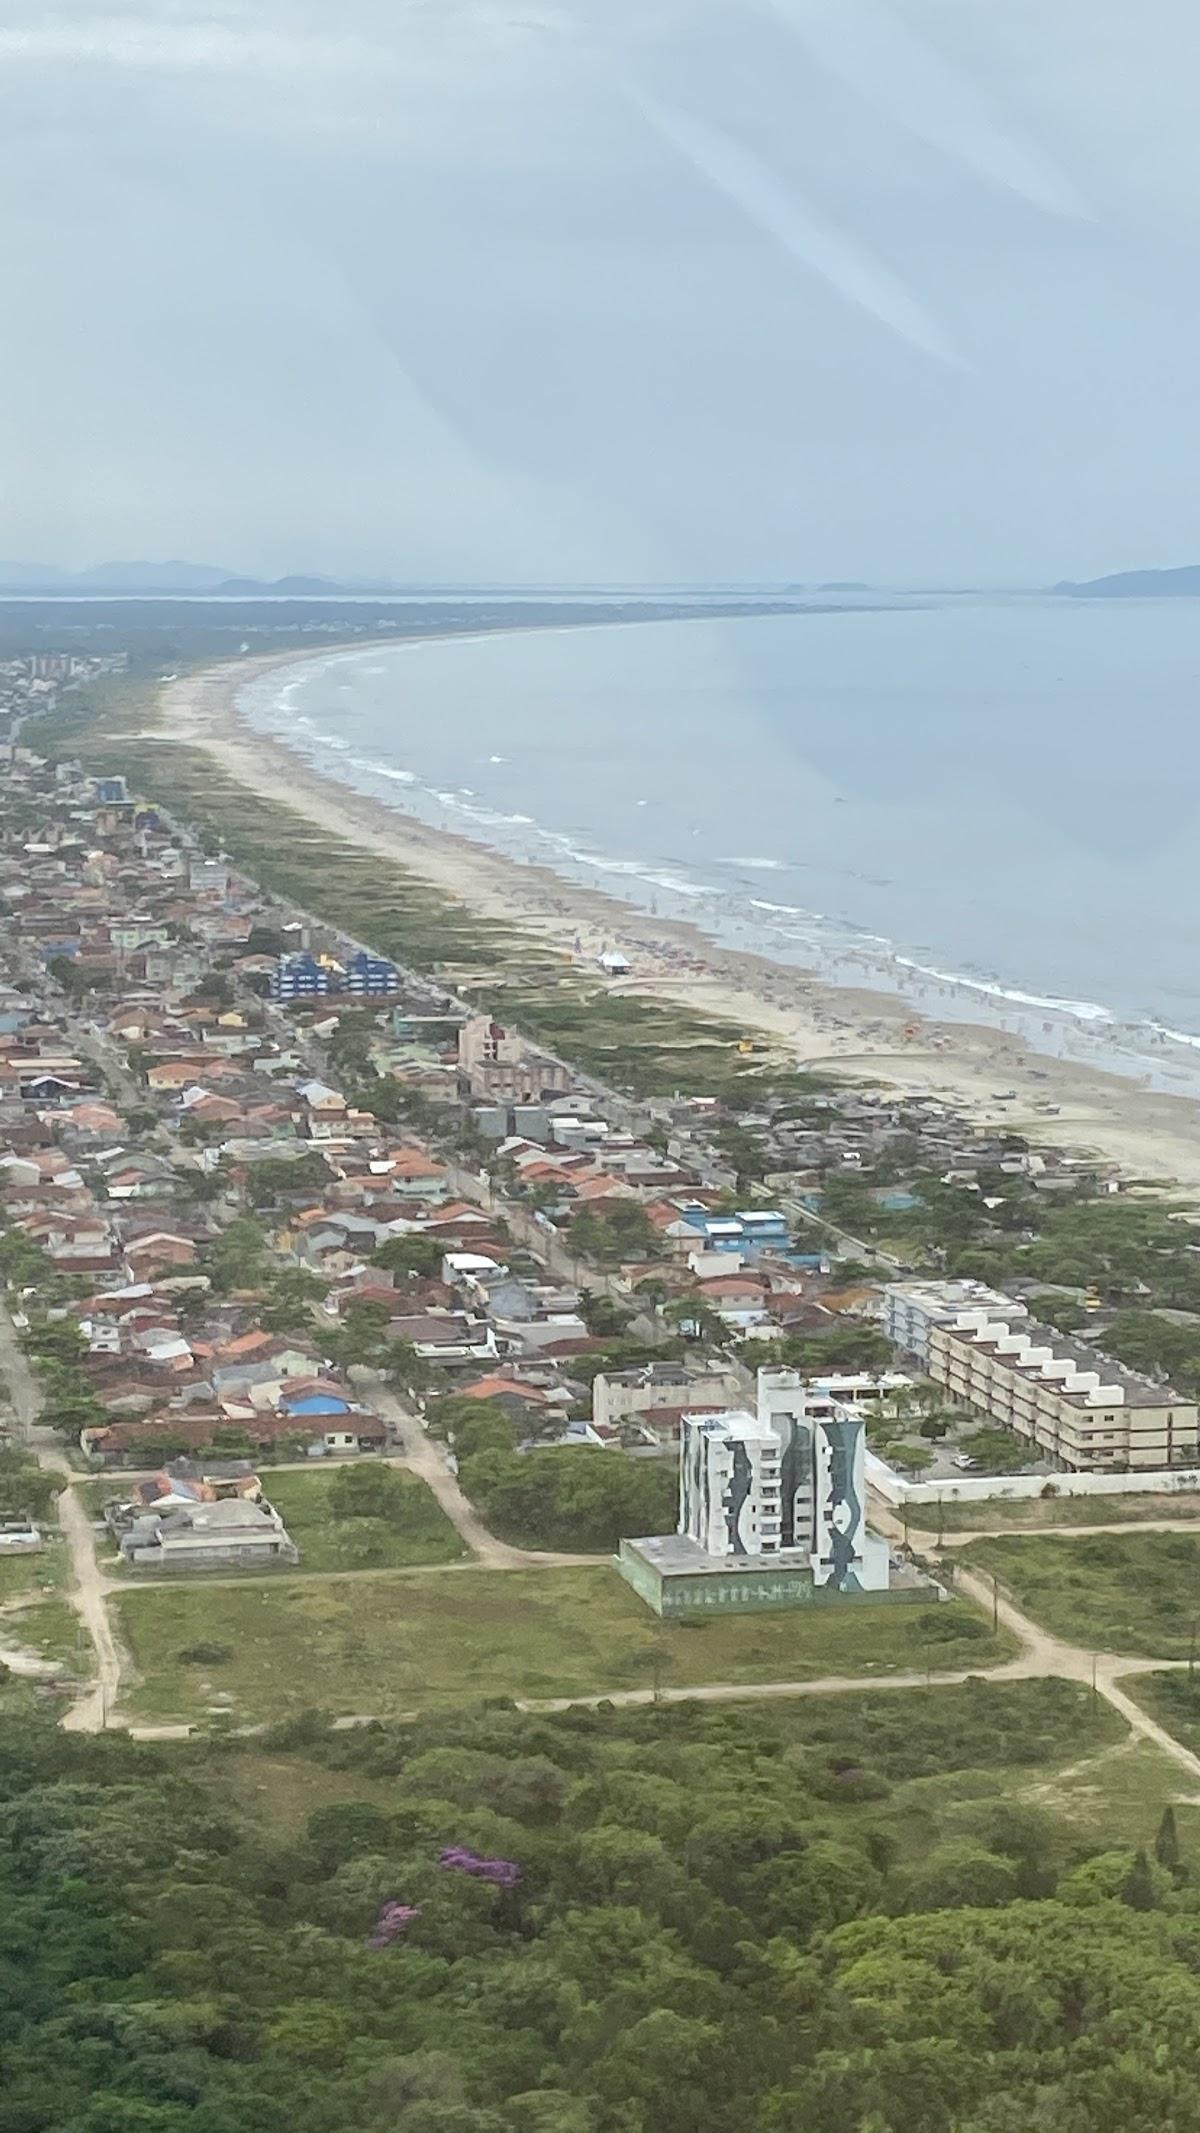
{"points": [[602, 289]]}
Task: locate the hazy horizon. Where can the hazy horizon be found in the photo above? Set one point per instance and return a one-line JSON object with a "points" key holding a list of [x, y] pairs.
{"points": [[537, 291]]}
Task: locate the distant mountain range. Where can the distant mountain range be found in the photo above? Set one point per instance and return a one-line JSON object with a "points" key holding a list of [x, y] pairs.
{"points": [[1137, 584], [131, 579]]}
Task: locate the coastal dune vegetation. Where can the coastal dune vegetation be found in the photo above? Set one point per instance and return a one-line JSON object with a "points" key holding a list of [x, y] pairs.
{"points": [[864, 1914], [643, 1046]]}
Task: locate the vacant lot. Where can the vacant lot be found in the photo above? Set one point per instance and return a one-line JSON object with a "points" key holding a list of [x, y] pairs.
{"points": [[919, 1766], [1044, 1512], [1174, 1700], [382, 1645], [409, 1530], [34, 1617], [411, 1534], [1114, 1592]]}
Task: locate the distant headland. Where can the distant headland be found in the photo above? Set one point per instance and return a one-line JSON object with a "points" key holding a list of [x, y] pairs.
{"points": [[1183, 582]]}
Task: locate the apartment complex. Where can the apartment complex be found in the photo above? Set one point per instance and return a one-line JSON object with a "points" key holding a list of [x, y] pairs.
{"points": [[496, 1063], [1074, 1405], [911, 1309], [304, 976]]}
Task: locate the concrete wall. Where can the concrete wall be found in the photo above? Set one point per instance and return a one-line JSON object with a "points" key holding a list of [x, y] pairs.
{"points": [[1025, 1488], [195, 1561]]}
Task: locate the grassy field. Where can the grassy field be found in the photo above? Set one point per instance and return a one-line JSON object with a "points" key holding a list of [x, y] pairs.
{"points": [[1174, 1700], [34, 1616], [25, 1576], [93, 1495], [1115, 1592], [1046, 1512], [380, 1645], [421, 1535]]}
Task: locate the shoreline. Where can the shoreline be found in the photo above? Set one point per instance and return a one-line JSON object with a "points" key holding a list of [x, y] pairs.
{"points": [[853, 1031]]}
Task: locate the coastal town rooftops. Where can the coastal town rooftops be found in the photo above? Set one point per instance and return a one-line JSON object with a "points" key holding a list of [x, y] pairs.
{"points": [[732, 1425], [1081, 1373], [946, 1298]]}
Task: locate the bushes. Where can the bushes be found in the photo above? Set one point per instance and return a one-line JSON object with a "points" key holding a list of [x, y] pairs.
{"points": [[570, 1497], [721, 1923], [25, 1487]]}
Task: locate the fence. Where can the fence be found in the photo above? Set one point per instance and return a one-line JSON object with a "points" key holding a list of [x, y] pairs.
{"points": [[1025, 1488]]}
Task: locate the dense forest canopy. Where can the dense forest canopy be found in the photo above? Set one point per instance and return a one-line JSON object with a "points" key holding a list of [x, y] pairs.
{"points": [[710, 1919]]}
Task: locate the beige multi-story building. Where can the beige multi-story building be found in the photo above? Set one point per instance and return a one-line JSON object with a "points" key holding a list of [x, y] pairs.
{"points": [[1074, 1405], [497, 1063]]}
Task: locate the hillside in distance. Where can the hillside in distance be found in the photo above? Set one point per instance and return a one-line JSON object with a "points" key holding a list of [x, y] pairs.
{"points": [[128, 580], [1183, 582]]}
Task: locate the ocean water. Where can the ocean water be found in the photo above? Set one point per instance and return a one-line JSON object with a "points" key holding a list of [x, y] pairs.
{"points": [[989, 805]]}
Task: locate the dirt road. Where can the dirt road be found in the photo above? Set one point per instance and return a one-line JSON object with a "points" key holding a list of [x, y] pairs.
{"points": [[90, 1711], [427, 1461], [1043, 1654]]}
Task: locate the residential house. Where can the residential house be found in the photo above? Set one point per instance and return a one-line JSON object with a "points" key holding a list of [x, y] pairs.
{"points": [[232, 1534]]}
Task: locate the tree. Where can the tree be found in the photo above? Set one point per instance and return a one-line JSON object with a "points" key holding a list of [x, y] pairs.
{"points": [[1166, 1844], [961, 1875], [287, 1304], [568, 1496], [404, 1368], [237, 1258], [55, 1342], [361, 1337], [617, 1231], [697, 1320], [368, 1492], [276, 1178], [1138, 1889], [412, 1254], [602, 1315]]}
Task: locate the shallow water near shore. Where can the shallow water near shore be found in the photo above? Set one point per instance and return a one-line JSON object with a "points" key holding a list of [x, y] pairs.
{"points": [[986, 806]]}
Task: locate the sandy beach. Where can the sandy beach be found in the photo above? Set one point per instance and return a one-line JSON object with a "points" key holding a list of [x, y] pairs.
{"points": [[863, 1035]]}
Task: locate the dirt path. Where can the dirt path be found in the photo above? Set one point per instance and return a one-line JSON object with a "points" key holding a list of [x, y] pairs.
{"points": [[90, 1711], [427, 1461], [1043, 1653]]}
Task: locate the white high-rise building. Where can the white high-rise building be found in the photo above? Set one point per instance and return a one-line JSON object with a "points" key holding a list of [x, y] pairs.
{"points": [[785, 1482]]}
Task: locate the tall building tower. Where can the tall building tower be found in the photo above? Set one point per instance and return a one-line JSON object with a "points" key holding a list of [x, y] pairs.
{"points": [[787, 1482]]}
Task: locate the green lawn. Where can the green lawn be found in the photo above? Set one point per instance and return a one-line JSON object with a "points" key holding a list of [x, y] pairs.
{"points": [[383, 1645], [1114, 1592]]}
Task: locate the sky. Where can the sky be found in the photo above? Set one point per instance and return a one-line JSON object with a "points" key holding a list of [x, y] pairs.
{"points": [[602, 290]]}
